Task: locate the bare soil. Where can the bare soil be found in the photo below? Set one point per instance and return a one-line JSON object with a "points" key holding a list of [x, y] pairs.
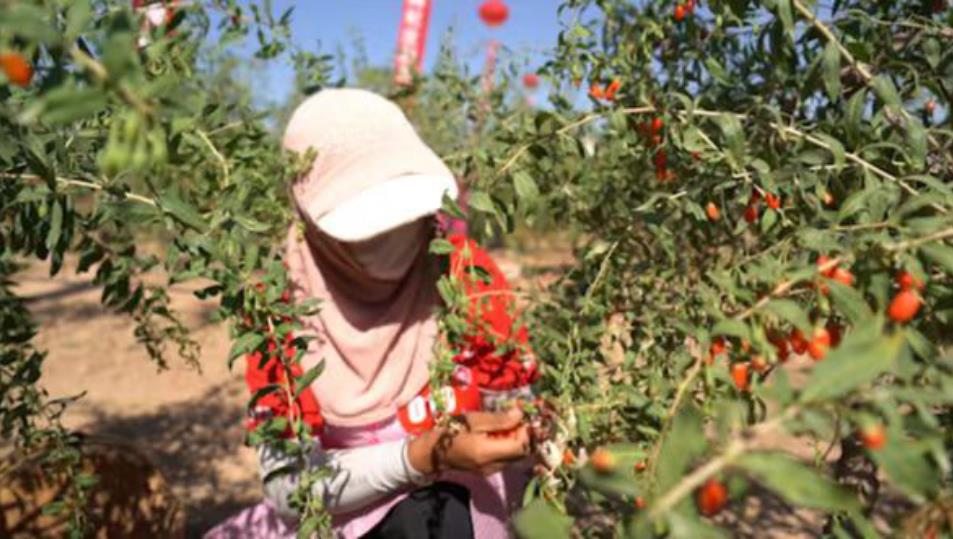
{"points": [[188, 422]]}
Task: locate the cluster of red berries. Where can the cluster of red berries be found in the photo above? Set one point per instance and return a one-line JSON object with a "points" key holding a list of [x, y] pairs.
{"points": [[753, 209], [683, 10], [906, 303], [904, 306], [605, 93], [653, 132], [16, 68]]}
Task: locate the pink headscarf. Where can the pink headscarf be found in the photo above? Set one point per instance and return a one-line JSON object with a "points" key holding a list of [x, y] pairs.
{"points": [[375, 329]]}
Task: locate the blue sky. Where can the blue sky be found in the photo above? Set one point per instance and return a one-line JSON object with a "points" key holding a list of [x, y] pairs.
{"points": [[531, 28]]}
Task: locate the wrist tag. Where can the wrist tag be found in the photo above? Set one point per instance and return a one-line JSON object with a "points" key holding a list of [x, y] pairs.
{"points": [[419, 415]]}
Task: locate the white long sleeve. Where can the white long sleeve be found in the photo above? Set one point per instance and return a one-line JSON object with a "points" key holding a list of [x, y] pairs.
{"points": [[359, 476]]}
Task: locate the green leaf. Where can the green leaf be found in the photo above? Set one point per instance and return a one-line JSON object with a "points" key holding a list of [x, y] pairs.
{"points": [[768, 219], [905, 464], [540, 520], [481, 201], [250, 224], [56, 224], [854, 114], [734, 137], [621, 482], [308, 527], [798, 484], [273, 426], [887, 92], [526, 188], [939, 254], [786, 16], [920, 345], [813, 157], [858, 360], [451, 208], [836, 149], [690, 525], [64, 104], [931, 181], [29, 21], [85, 480], [304, 381], [244, 344], [850, 302], [932, 51], [261, 392], [830, 61], [916, 141], [182, 211], [440, 246], [716, 70], [250, 260], [791, 312], [684, 442], [732, 327], [855, 203], [693, 140], [79, 15]]}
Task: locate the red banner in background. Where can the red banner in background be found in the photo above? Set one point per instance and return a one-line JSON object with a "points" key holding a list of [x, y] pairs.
{"points": [[489, 66], [411, 40]]}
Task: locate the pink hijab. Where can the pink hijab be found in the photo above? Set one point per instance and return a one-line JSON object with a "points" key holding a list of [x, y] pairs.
{"points": [[375, 329]]}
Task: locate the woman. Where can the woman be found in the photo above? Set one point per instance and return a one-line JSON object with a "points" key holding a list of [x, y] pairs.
{"points": [[368, 208]]}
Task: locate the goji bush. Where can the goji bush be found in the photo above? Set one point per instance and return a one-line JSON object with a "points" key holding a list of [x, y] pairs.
{"points": [[769, 180], [119, 148], [749, 187]]}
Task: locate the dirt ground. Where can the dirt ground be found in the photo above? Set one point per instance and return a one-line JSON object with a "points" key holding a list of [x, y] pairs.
{"points": [[189, 422]]}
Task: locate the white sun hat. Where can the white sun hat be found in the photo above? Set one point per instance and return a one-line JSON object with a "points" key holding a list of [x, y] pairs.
{"points": [[372, 172], [387, 206]]}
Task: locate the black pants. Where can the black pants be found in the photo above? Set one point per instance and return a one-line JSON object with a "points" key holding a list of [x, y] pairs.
{"points": [[440, 511]]}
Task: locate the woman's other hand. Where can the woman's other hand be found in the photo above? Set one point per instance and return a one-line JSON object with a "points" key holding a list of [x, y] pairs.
{"points": [[484, 443]]}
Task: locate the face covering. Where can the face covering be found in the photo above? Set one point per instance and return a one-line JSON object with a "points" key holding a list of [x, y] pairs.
{"points": [[389, 256]]}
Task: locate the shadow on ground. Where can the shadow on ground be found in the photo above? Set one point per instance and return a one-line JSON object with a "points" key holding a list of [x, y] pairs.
{"points": [[193, 444]]}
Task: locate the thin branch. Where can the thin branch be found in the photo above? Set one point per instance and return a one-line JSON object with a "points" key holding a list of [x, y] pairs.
{"points": [[850, 156], [512, 160], [740, 444], [226, 127], [858, 66], [599, 276], [680, 393], [936, 236], [863, 226], [569, 127], [218, 155], [829, 36], [783, 288], [68, 182]]}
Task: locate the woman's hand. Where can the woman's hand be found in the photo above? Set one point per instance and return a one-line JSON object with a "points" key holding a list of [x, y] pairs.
{"points": [[486, 442]]}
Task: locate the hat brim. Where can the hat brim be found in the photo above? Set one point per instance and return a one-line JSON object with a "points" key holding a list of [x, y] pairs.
{"points": [[386, 206]]}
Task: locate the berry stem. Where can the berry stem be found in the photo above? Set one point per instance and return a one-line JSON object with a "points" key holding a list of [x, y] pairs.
{"points": [[693, 372], [904, 245], [68, 182], [740, 444]]}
